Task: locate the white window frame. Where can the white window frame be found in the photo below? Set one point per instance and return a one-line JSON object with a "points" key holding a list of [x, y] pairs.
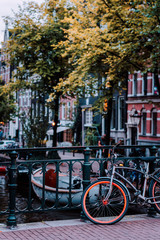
{"points": [[68, 110], [88, 117], [63, 111], [73, 110], [134, 93]]}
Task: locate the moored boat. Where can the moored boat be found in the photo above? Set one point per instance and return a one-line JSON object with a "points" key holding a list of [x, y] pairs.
{"points": [[3, 169], [63, 192]]}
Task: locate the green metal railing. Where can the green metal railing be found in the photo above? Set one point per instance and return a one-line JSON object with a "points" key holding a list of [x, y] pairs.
{"points": [[87, 167]]}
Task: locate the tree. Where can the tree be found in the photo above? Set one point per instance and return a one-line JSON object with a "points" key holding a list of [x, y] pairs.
{"points": [[91, 57], [34, 130], [7, 106], [35, 31], [135, 30], [107, 39]]}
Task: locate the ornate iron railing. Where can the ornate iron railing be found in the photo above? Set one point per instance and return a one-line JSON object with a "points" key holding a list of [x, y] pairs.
{"points": [[72, 172]]}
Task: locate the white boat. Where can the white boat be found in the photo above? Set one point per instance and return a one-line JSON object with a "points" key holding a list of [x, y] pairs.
{"points": [[63, 188]]}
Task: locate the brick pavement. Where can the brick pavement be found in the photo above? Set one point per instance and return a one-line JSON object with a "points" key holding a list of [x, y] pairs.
{"points": [[138, 227]]}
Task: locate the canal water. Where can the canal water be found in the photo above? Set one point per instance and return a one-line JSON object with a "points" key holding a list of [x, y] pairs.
{"points": [[21, 196]]}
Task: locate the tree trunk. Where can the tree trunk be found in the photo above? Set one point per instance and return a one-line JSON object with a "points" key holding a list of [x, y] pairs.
{"points": [[108, 122], [56, 110], [54, 154], [107, 132]]}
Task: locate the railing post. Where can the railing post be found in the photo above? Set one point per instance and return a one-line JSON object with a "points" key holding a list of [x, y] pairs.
{"points": [[86, 173], [11, 220], [86, 168], [153, 151]]}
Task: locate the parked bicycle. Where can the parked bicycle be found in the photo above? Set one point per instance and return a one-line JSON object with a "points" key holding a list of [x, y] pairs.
{"points": [[106, 200]]}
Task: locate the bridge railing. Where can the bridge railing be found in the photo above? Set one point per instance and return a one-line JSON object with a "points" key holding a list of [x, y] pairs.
{"points": [[69, 170]]}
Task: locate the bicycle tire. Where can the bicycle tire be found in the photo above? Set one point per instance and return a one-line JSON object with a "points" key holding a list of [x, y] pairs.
{"points": [[154, 191], [105, 212]]}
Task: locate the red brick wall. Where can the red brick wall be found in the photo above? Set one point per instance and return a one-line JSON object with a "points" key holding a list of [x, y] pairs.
{"points": [[138, 103]]}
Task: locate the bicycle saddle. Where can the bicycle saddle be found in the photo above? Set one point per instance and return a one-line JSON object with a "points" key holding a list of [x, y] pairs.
{"points": [[147, 159]]}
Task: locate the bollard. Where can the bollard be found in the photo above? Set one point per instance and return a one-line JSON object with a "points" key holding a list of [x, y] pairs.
{"points": [[86, 174], [153, 150], [11, 220]]}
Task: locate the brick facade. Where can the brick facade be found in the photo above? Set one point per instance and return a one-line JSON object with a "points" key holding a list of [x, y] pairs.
{"points": [[143, 99]]}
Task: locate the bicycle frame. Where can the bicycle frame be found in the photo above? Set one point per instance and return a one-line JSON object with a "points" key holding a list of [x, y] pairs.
{"points": [[137, 192]]}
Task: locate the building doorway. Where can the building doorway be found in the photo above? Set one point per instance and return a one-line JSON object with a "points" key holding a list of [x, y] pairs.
{"points": [[133, 135]]}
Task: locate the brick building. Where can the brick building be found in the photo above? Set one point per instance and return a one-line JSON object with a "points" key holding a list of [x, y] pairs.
{"points": [[14, 129], [143, 125]]}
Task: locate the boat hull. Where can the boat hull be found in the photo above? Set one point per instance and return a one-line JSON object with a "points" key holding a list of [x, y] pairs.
{"points": [[62, 195], [3, 169]]}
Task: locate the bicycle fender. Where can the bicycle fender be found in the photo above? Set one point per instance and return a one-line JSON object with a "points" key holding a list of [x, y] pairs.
{"points": [[118, 182]]}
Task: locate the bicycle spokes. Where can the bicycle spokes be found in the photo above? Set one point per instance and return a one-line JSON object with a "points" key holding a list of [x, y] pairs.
{"points": [[101, 209]]}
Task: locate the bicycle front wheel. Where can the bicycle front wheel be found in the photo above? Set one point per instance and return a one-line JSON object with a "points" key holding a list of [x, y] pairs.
{"points": [[100, 210], [154, 192]]}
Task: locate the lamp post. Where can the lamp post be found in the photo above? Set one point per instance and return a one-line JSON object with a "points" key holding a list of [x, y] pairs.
{"points": [[135, 118], [54, 154], [53, 125], [83, 110]]}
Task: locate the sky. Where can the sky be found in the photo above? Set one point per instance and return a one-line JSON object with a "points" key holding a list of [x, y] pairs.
{"points": [[6, 7]]}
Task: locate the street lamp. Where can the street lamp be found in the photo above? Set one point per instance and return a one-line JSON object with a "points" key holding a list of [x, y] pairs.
{"points": [[83, 110], [53, 123], [135, 118]]}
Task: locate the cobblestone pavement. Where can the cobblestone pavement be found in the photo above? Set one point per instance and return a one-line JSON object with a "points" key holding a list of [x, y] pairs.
{"points": [[136, 227]]}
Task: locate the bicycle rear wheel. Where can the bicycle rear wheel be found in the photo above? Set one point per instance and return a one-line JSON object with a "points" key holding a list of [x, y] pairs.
{"points": [[154, 191], [105, 211]]}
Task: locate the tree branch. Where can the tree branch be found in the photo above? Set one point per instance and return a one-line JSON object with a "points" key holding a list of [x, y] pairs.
{"points": [[116, 13]]}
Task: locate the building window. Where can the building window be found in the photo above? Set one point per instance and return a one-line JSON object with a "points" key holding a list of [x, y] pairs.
{"points": [[154, 122], [63, 111], [37, 109], [88, 117], [46, 111], [135, 84], [68, 110], [145, 83], [41, 111], [143, 124], [155, 89], [73, 111], [50, 115], [113, 122], [121, 113]]}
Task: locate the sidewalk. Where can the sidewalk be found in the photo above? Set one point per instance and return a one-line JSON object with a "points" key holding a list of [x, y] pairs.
{"points": [[70, 155], [134, 227]]}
